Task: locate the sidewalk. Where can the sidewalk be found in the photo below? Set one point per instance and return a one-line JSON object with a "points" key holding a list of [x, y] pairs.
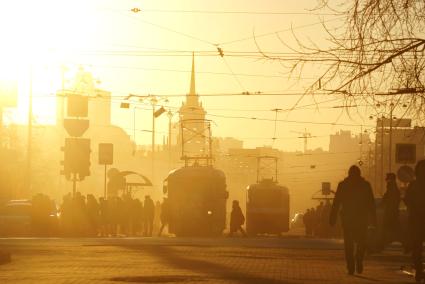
{"points": [[189, 261], [4, 257]]}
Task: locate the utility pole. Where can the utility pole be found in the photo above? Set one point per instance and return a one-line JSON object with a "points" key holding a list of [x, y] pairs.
{"points": [[29, 138], [170, 116], [304, 135], [153, 101], [390, 154], [361, 143], [276, 110], [382, 155]]}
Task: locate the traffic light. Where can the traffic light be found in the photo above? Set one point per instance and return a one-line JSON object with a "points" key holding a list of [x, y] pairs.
{"points": [[76, 157]]}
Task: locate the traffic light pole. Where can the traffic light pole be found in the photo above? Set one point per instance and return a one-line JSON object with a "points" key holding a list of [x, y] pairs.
{"points": [[104, 185], [74, 184]]}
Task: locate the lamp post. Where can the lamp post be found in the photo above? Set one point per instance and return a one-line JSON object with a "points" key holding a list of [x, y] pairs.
{"points": [[381, 172], [390, 147], [170, 116], [29, 138], [153, 100]]}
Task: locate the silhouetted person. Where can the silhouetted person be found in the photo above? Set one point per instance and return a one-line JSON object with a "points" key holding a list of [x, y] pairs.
{"points": [[415, 202], [92, 214], [157, 218], [355, 199], [137, 216], [103, 219], [312, 221], [237, 219], [324, 220], [307, 223], [165, 215], [318, 226], [148, 215], [112, 216], [126, 222], [66, 216], [391, 203], [79, 214]]}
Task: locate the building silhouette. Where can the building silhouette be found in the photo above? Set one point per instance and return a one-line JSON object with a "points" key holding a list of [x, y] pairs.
{"points": [[192, 132]]}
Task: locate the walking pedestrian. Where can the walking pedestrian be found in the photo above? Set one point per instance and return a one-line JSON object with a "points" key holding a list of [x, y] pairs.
{"points": [[354, 198], [415, 202], [237, 219], [165, 215], [391, 203], [148, 215]]}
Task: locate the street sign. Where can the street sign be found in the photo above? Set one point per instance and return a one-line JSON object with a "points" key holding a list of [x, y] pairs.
{"points": [[405, 153], [159, 112], [106, 154]]}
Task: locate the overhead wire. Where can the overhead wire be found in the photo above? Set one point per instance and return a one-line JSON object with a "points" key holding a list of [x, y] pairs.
{"points": [[278, 120], [231, 12]]}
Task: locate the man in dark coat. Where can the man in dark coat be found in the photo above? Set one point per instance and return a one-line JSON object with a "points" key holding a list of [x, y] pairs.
{"points": [[237, 219], [391, 203], [149, 215], [165, 215], [415, 202], [355, 199]]}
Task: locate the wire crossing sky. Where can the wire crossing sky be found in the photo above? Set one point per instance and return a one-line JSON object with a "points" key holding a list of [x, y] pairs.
{"points": [[145, 47]]}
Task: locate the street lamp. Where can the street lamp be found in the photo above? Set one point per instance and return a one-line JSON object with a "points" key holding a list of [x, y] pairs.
{"points": [[170, 116], [125, 105], [153, 100]]}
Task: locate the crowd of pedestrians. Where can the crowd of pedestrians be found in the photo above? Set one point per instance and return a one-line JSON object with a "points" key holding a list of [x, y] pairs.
{"points": [[81, 215], [316, 222]]}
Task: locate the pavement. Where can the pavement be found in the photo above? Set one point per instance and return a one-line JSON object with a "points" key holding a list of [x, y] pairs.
{"points": [[177, 260]]}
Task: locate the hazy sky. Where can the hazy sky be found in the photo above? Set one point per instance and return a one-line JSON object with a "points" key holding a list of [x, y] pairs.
{"points": [[150, 53]]}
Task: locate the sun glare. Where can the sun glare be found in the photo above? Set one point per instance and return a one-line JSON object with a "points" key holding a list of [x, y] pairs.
{"points": [[41, 36]]}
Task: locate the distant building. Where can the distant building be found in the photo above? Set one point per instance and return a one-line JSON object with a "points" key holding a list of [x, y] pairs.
{"points": [[344, 141], [390, 139], [222, 145]]}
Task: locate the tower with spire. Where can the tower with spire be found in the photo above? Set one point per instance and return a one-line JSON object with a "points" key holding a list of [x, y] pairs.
{"points": [[192, 116]]}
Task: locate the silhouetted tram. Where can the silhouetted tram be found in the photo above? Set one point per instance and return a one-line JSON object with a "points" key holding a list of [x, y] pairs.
{"points": [[197, 197], [267, 206]]}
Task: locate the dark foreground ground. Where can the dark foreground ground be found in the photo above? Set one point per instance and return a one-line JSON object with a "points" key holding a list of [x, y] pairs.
{"points": [[173, 260]]}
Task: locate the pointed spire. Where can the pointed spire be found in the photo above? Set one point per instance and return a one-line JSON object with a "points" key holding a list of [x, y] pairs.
{"points": [[192, 78], [192, 98]]}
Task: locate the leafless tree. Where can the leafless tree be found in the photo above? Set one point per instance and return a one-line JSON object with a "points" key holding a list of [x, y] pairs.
{"points": [[379, 49]]}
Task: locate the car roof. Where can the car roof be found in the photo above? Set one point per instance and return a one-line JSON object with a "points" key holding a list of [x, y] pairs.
{"points": [[18, 202]]}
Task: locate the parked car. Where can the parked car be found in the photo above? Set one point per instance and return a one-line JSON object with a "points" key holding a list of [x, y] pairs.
{"points": [[21, 218]]}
